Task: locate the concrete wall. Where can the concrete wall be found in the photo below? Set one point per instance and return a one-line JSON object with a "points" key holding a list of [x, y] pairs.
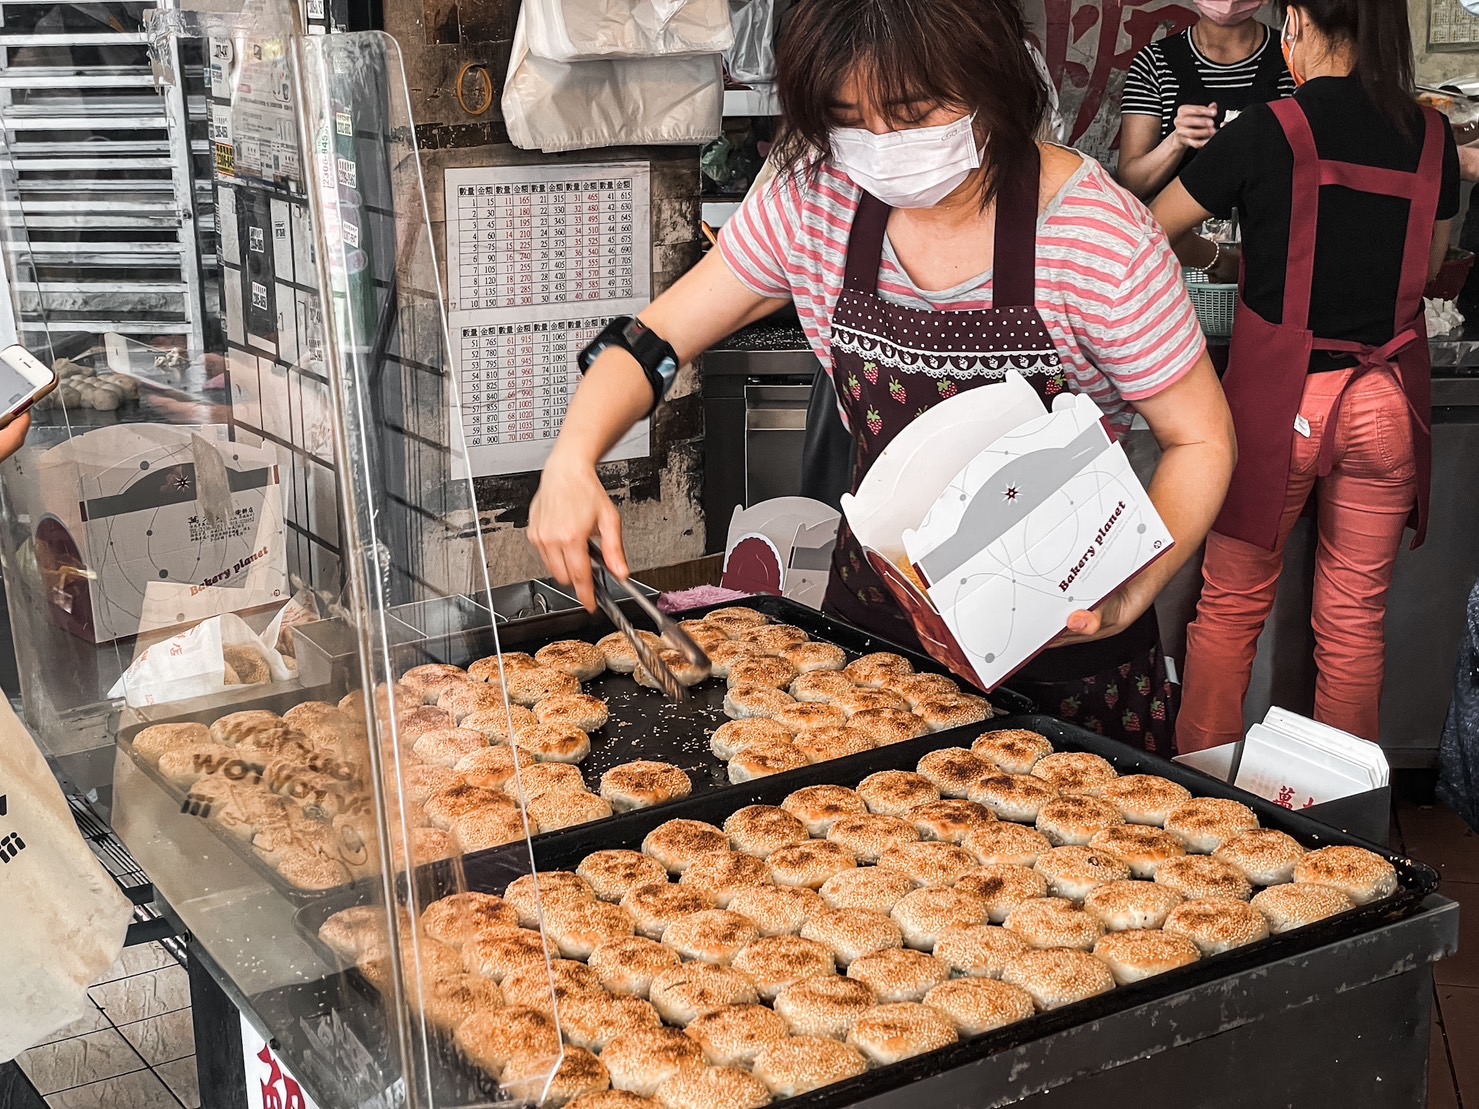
{"points": [[1437, 66]]}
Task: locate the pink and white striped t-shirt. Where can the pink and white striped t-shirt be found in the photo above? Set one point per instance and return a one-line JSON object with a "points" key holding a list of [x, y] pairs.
{"points": [[1108, 287]]}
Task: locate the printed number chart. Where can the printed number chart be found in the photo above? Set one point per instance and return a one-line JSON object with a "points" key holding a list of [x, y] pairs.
{"points": [[538, 259]]}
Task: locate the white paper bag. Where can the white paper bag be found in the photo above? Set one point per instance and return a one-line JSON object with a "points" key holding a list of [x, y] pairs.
{"points": [[195, 663], [590, 30], [64, 916]]}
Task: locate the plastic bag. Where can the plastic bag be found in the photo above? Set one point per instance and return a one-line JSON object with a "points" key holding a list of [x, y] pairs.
{"points": [[558, 106], [65, 919], [590, 30], [751, 60]]}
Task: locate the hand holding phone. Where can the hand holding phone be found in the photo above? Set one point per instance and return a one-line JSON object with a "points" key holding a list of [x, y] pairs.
{"points": [[24, 380]]}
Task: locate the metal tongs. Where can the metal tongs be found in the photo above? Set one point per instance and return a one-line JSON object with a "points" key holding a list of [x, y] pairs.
{"points": [[674, 636]]}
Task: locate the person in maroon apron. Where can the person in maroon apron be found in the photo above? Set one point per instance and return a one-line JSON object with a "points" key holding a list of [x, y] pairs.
{"points": [[1328, 376], [929, 245]]}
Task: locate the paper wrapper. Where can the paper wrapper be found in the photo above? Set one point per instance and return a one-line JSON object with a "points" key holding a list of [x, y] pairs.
{"points": [[211, 657]]}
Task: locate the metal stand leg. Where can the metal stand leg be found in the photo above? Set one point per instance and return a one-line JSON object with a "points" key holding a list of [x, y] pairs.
{"points": [[217, 1039]]}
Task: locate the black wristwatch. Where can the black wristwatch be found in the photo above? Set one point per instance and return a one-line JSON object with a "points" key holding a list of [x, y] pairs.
{"points": [[652, 352]]}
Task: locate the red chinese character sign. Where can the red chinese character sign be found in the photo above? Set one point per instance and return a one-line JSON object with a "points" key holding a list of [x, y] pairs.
{"points": [[269, 1084], [1089, 45]]}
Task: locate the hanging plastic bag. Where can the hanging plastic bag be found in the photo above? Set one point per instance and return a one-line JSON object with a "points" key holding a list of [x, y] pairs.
{"points": [[65, 919], [751, 60], [590, 30], [558, 106]]}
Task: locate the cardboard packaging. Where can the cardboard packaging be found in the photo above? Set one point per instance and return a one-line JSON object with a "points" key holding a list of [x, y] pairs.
{"points": [[782, 548], [992, 520], [140, 527]]}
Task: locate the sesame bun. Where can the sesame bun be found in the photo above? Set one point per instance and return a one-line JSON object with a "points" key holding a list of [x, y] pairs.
{"points": [[1075, 771], [867, 887], [1055, 977], [949, 821], [706, 635], [953, 770], [355, 931], [549, 777], [1002, 887], [1217, 924], [869, 835], [821, 686], [566, 809], [1145, 798], [573, 710], [776, 962], [429, 680], [885, 726], [1012, 750], [917, 688], [724, 874], [710, 936], [496, 955], [444, 746], [489, 1039], [924, 914], [656, 905], [1073, 872], [744, 701], [1295, 904], [501, 724], [463, 916], [1004, 842], [850, 934], [899, 974], [620, 655], [686, 992], [766, 670], [1054, 922], [804, 1063], [978, 950], [733, 736], [826, 744], [874, 671], [1205, 823], [724, 655], [525, 893], [1133, 956], [556, 743], [929, 864], [810, 864], [417, 783], [810, 657], [678, 844], [155, 740], [612, 1099], [578, 927], [420, 960], [642, 784], [448, 1001], [975, 1006], [582, 661], [1126, 905], [891, 1033], [1361, 875], [1144, 848], [531, 987], [1266, 856], [593, 1020], [492, 668], [713, 1088], [1197, 876], [733, 1035], [761, 830], [777, 910], [529, 686], [628, 965], [764, 759], [611, 873], [858, 700], [801, 718], [1074, 819], [736, 619], [818, 806], [1018, 797], [643, 1060], [774, 638], [466, 698], [895, 792], [823, 1005], [489, 767], [941, 714], [445, 807]]}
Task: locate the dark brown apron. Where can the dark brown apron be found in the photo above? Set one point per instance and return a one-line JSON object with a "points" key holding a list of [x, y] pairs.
{"points": [[1268, 363], [892, 363]]}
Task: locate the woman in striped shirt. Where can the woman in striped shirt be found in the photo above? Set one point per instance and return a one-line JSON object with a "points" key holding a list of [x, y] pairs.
{"points": [[929, 243]]}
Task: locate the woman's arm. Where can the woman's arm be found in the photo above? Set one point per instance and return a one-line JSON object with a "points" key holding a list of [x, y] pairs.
{"points": [[702, 307], [1147, 161], [1442, 236], [1179, 216], [1192, 424]]}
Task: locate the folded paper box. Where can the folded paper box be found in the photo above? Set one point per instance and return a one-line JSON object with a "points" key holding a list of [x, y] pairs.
{"points": [[992, 519]]}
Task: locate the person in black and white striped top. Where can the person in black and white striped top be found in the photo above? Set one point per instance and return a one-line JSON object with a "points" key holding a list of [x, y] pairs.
{"points": [[1180, 89]]}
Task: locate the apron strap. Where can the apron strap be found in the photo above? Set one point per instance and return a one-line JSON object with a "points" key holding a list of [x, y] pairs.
{"points": [[1427, 187], [1014, 276], [1367, 359], [865, 245], [1304, 212]]}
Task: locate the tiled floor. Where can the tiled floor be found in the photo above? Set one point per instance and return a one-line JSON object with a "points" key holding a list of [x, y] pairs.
{"points": [[133, 1049]]}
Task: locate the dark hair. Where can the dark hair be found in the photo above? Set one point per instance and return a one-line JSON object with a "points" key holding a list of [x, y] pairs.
{"points": [[970, 53], [1378, 32]]}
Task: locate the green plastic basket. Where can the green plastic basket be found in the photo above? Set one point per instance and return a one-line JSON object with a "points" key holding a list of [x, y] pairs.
{"points": [[1216, 305]]}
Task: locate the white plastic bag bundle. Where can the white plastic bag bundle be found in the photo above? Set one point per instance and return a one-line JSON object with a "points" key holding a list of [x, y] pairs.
{"points": [[751, 60], [65, 919], [559, 106], [591, 30]]}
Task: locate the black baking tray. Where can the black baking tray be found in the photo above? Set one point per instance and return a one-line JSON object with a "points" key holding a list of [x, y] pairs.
{"points": [[491, 871], [644, 724]]}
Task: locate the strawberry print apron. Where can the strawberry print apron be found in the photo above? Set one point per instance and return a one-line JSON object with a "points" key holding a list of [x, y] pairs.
{"points": [[891, 363]]}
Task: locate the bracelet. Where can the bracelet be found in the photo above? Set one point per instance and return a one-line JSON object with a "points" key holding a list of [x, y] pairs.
{"points": [[1216, 257]]}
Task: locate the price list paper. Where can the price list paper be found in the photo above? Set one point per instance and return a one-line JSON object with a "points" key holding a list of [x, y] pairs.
{"points": [[538, 259]]}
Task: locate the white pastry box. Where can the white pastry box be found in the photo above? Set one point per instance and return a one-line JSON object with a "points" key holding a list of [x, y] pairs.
{"points": [[992, 519]]}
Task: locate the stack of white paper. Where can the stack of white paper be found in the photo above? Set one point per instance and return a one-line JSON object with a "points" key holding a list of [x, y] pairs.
{"points": [[1297, 762]]}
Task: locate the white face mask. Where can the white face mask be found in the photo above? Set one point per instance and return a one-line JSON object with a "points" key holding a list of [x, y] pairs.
{"points": [[915, 168]]}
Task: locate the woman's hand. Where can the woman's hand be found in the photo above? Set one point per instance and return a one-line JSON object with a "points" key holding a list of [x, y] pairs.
{"points": [[570, 507], [1113, 615], [1195, 125], [13, 435]]}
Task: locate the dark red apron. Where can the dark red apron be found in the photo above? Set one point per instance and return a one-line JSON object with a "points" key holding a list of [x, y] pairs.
{"points": [[890, 364], [1268, 363]]}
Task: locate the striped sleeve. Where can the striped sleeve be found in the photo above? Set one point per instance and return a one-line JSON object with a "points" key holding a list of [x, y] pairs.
{"points": [[1142, 95], [755, 240], [1148, 337]]}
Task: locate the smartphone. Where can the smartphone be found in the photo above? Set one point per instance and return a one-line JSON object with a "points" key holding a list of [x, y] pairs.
{"points": [[24, 379]]}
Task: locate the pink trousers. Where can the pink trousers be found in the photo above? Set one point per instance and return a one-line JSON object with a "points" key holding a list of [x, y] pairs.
{"points": [[1363, 507]]}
